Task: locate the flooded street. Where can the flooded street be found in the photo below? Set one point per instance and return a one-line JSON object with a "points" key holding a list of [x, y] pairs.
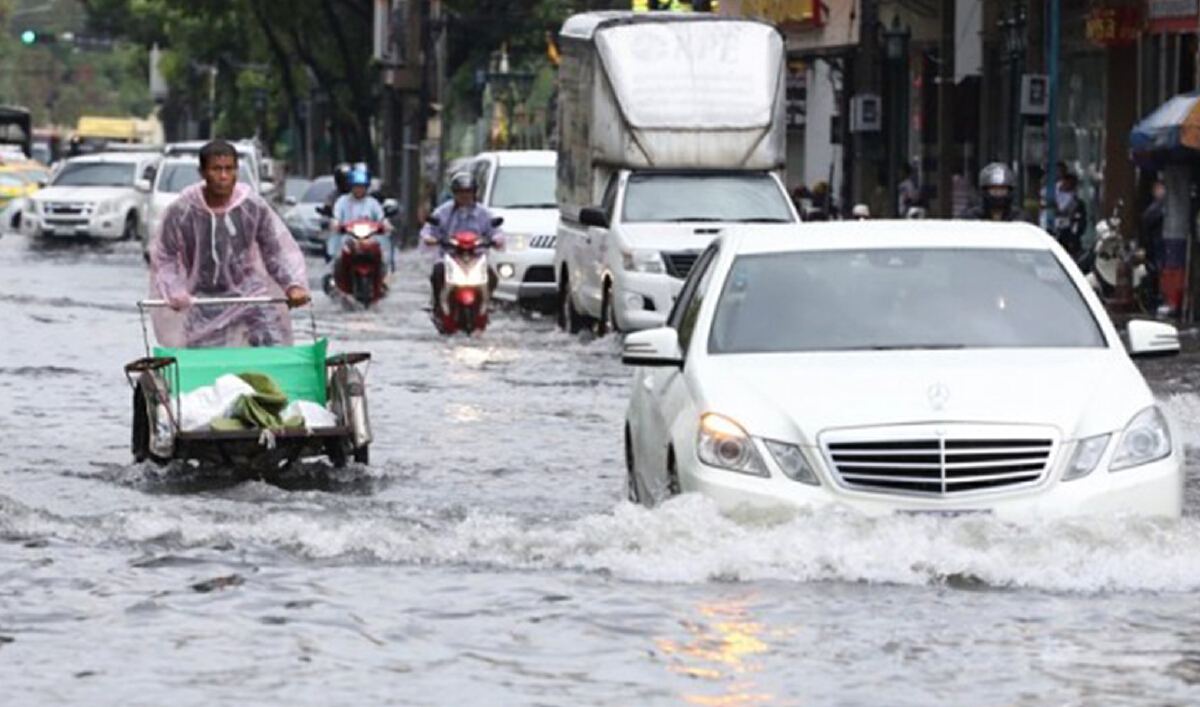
{"points": [[487, 556]]}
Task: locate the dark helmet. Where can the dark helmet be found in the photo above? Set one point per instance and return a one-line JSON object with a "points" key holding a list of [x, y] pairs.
{"points": [[463, 181], [341, 177], [996, 182]]}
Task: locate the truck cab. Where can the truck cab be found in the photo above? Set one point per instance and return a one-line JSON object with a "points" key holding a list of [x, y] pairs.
{"points": [[623, 262]]}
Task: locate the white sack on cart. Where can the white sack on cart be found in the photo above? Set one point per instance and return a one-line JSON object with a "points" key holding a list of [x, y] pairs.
{"points": [[203, 405], [314, 415]]}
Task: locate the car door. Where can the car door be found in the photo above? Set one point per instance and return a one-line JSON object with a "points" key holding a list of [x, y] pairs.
{"points": [[595, 250], [664, 392]]}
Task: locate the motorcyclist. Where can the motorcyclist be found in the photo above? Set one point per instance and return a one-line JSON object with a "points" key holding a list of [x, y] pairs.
{"points": [[460, 213], [997, 188], [1070, 216], [220, 239], [357, 205]]}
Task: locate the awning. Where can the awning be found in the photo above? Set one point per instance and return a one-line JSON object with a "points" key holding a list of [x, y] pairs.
{"points": [[1173, 128]]}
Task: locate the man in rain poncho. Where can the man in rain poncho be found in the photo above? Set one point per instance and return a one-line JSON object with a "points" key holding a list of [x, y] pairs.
{"points": [[219, 239]]}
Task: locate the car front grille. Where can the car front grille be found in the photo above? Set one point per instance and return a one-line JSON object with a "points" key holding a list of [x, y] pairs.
{"points": [[951, 464], [59, 208], [680, 264], [546, 242]]}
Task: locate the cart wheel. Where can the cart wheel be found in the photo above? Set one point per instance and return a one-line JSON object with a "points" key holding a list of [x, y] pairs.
{"points": [[336, 451], [140, 442], [362, 455]]}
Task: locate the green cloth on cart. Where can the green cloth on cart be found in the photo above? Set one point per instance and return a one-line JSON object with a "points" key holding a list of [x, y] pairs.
{"points": [[262, 410]]}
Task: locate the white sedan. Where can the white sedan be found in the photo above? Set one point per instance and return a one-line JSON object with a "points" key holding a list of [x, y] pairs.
{"points": [[913, 367]]}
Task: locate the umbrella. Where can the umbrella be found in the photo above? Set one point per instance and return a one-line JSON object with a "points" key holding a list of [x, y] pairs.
{"points": [[1173, 129]]}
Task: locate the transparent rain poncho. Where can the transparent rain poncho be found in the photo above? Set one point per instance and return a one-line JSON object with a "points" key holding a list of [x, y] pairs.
{"points": [[243, 250]]}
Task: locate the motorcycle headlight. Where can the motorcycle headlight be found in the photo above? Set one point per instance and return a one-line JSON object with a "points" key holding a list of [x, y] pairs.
{"points": [[791, 460], [1088, 453], [648, 261], [1146, 439], [518, 241], [724, 444]]}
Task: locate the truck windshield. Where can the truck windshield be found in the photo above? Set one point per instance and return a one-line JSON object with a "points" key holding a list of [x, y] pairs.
{"points": [[96, 174], [524, 188], [659, 198]]}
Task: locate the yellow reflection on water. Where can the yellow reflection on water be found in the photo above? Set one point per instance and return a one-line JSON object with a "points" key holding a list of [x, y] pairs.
{"points": [[725, 646]]}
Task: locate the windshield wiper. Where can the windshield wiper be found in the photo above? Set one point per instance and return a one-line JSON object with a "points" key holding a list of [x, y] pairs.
{"points": [[693, 219], [529, 206], [909, 347], [763, 219]]}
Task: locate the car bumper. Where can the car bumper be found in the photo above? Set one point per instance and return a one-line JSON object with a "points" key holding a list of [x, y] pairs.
{"points": [[525, 276], [1151, 490], [108, 226], [643, 300]]}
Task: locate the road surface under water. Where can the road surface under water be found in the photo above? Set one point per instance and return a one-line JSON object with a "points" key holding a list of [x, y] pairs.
{"points": [[487, 557]]}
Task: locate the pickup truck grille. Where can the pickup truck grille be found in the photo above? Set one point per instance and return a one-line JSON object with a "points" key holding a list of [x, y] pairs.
{"points": [[939, 466], [680, 264], [60, 208]]}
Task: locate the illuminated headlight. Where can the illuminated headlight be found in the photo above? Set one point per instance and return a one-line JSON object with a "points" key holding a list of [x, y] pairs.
{"points": [[516, 241], [1146, 439], [792, 462], [649, 261], [106, 207], [724, 444], [1088, 453], [507, 271]]}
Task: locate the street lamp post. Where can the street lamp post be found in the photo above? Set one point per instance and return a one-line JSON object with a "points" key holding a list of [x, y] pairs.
{"points": [[895, 47], [1013, 35]]}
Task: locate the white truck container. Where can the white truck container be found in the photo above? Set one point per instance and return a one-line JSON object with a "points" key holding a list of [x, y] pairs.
{"points": [[672, 128]]}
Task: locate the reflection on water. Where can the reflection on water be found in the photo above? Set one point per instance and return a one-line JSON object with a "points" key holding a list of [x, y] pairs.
{"points": [[726, 645]]}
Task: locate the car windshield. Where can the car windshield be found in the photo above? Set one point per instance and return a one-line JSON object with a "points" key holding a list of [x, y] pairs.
{"points": [[177, 176], [938, 298], [96, 174], [659, 198], [318, 191], [524, 188], [11, 180]]}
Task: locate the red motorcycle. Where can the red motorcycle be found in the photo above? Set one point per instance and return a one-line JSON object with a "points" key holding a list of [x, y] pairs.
{"points": [[361, 267], [466, 294]]}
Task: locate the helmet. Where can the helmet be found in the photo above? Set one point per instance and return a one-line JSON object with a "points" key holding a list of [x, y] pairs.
{"points": [[341, 177], [996, 181], [860, 211], [463, 181], [360, 178]]}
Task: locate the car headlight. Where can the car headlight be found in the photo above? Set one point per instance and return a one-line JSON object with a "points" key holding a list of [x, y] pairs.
{"points": [[35, 206], [517, 241], [791, 460], [1088, 453], [1145, 439], [106, 207], [724, 444], [649, 261]]}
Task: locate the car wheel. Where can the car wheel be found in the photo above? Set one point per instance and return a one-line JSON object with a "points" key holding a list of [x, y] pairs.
{"points": [[673, 486], [607, 323], [568, 319], [131, 228]]}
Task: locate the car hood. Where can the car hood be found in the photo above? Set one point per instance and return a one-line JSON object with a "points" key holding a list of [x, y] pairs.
{"points": [[84, 193], [689, 236], [795, 397], [532, 222]]}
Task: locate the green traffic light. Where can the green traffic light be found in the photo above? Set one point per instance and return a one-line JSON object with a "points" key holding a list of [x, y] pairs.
{"points": [[28, 37]]}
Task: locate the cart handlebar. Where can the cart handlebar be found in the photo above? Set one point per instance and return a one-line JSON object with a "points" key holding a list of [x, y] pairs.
{"points": [[216, 301]]}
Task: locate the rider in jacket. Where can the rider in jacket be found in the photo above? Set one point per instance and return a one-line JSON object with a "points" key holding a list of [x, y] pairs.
{"points": [[461, 213]]}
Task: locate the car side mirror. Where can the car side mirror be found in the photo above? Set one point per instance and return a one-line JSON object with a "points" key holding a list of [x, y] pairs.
{"points": [[653, 347], [391, 208], [1148, 339], [142, 185], [498, 222], [591, 216], [325, 210]]}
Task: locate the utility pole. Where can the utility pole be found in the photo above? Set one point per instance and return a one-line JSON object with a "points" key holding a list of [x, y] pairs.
{"points": [[945, 123]]}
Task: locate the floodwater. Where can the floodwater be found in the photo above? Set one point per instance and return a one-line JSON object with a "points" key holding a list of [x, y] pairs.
{"points": [[487, 558]]}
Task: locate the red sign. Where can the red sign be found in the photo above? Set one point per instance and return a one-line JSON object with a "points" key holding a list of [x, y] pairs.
{"points": [[1173, 15], [1114, 26]]}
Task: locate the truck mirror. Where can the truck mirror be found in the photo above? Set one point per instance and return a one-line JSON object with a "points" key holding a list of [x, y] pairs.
{"points": [[591, 216]]}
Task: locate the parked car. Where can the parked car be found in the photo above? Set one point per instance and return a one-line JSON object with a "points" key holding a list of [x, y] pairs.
{"points": [[308, 226], [100, 195], [519, 187], [887, 367], [175, 174]]}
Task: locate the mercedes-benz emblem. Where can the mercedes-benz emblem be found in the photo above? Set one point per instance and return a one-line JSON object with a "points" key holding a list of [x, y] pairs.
{"points": [[939, 395]]}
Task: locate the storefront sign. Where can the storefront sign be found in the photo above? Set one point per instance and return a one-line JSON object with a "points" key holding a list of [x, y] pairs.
{"points": [[1173, 15], [812, 27], [1114, 26], [803, 13]]}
